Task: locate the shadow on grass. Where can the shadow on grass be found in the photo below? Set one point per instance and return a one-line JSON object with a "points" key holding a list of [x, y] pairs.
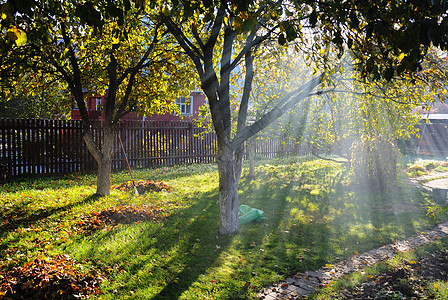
{"points": [[164, 259], [317, 219], [288, 244], [20, 215]]}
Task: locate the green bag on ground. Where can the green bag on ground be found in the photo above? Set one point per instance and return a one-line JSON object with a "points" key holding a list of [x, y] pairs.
{"points": [[248, 214]]}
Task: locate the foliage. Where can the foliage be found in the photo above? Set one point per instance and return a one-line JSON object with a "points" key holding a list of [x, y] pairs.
{"points": [[48, 103], [103, 48], [315, 216], [374, 163]]}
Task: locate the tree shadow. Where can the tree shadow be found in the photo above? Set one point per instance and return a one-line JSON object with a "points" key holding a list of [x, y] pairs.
{"points": [[191, 233], [298, 244], [20, 215]]}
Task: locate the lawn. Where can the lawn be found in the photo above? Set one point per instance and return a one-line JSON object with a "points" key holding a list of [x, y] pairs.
{"points": [[165, 245]]}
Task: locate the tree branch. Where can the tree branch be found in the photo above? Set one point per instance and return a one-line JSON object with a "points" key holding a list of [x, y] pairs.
{"points": [[191, 50], [275, 113], [249, 76]]}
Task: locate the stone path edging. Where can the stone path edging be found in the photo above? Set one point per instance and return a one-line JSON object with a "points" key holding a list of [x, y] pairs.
{"points": [[303, 284]]}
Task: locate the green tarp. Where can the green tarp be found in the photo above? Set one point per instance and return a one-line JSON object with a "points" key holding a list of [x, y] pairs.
{"points": [[248, 214]]}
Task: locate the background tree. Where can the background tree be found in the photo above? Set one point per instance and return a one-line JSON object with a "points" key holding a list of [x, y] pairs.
{"points": [[94, 48], [50, 102]]}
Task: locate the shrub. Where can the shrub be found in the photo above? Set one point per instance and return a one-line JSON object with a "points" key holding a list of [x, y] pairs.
{"points": [[416, 170], [374, 162]]}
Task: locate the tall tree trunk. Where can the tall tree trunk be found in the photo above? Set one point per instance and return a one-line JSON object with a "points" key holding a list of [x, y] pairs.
{"points": [[251, 154], [105, 165], [228, 191], [103, 158]]}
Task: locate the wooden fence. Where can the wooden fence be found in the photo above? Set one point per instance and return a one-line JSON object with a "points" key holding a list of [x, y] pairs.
{"points": [[30, 147], [433, 140]]}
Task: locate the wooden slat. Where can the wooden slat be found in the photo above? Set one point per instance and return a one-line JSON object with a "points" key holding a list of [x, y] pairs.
{"points": [[46, 147]]}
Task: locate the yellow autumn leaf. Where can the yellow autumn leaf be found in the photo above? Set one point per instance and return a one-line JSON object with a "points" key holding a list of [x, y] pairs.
{"points": [[22, 39], [226, 20], [17, 35], [436, 286], [400, 57], [412, 262]]}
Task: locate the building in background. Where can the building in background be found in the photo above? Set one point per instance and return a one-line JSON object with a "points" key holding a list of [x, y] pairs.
{"points": [[189, 108]]}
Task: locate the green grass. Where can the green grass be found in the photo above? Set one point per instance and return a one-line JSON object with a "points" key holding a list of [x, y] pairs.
{"points": [[314, 216]]}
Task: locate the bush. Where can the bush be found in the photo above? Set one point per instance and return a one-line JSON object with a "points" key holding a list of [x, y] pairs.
{"points": [[374, 162], [416, 170], [430, 166]]}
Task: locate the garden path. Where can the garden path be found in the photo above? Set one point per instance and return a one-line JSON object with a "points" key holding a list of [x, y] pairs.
{"points": [[303, 284]]}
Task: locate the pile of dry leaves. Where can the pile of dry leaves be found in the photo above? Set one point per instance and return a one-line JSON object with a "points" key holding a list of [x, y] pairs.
{"points": [[57, 277], [144, 186], [121, 214]]}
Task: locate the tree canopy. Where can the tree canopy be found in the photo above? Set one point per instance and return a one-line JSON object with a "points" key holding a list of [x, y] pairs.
{"points": [[101, 47]]}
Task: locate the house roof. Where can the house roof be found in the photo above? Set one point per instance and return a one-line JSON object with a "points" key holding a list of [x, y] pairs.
{"points": [[435, 116], [435, 108]]}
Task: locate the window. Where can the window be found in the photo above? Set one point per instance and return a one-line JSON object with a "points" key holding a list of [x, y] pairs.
{"points": [[185, 106], [98, 104]]}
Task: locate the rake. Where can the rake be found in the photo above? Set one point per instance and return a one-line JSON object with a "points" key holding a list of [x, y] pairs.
{"points": [[129, 167]]}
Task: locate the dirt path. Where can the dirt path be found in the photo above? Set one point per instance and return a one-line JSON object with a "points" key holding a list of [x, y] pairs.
{"points": [[303, 284], [433, 180]]}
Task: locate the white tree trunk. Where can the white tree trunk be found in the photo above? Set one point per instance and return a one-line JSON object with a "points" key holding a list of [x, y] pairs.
{"points": [[103, 159], [228, 192]]}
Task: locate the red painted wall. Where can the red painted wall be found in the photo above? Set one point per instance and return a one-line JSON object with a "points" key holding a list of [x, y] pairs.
{"points": [[198, 101]]}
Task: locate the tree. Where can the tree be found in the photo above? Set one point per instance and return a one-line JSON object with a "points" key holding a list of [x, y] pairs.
{"points": [[94, 47], [51, 102], [388, 38]]}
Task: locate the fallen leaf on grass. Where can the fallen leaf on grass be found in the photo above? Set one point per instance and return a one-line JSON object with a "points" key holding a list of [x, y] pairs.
{"points": [[122, 214], [144, 186], [48, 278]]}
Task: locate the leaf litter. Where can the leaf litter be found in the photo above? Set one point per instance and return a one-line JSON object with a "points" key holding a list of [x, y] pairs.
{"points": [[125, 214], [60, 277], [57, 277], [144, 186]]}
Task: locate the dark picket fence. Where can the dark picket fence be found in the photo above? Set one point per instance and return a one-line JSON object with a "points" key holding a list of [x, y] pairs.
{"points": [[31, 147], [39, 147], [432, 140]]}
